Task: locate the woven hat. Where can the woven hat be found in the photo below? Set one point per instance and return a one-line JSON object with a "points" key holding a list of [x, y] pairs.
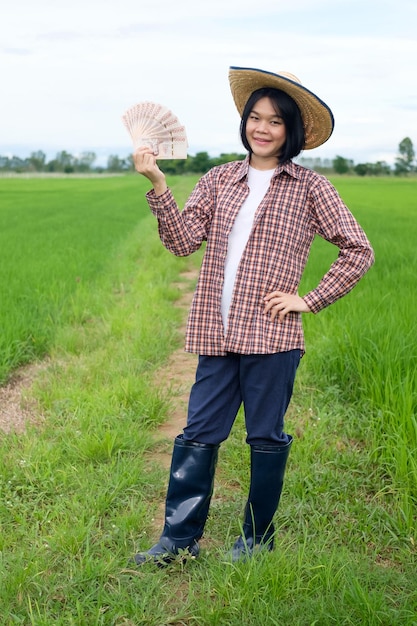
{"points": [[317, 117]]}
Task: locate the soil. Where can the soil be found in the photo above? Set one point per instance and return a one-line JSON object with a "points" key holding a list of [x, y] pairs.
{"points": [[177, 375], [16, 409]]}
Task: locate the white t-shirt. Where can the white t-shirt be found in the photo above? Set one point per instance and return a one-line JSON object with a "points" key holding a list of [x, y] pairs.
{"points": [[258, 183]]}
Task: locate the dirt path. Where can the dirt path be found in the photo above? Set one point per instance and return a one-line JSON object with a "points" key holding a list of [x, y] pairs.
{"points": [[16, 410], [178, 376]]}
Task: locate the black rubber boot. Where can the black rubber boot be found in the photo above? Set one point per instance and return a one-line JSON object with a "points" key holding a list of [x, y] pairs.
{"points": [[267, 478], [187, 503]]}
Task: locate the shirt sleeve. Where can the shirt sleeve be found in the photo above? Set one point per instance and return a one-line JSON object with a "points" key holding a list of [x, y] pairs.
{"points": [[335, 223], [183, 232]]}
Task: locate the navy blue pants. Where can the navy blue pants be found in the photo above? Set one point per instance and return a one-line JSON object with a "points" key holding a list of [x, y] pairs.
{"points": [[262, 382]]}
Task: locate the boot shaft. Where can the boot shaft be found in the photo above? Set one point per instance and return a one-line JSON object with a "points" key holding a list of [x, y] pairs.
{"points": [[268, 465], [189, 490]]}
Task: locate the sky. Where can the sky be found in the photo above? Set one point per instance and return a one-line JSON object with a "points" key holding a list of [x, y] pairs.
{"points": [[69, 70]]}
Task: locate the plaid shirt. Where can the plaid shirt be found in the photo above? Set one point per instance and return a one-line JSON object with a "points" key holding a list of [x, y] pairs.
{"points": [[298, 205]]}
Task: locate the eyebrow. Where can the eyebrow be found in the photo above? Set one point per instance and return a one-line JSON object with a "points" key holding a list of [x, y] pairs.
{"points": [[275, 114]]}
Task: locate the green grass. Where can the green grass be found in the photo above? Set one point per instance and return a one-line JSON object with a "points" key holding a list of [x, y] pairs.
{"points": [[78, 493], [59, 239], [365, 346]]}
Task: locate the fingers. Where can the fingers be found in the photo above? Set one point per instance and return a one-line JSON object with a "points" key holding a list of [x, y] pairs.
{"points": [[274, 294], [276, 304], [144, 160], [280, 304], [273, 299]]}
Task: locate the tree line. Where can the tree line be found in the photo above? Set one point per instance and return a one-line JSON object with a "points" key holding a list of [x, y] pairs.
{"points": [[405, 163], [66, 163]]}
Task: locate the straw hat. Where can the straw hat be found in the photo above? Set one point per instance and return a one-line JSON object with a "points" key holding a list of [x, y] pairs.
{"points": [[317, 117]]}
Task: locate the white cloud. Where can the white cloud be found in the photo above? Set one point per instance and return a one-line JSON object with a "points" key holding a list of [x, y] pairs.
{"points": [[68, 73]]}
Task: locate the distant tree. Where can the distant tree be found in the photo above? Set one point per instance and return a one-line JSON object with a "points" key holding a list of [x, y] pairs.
{"points": [[172, 166], [341, 165], [200, 163], [129, 163], [52, 166], [380, 168], [17, 164], [226, 157], [63, 162], [316, 163], [4, 163], [85, 161], [361, 169], [405, 158], [115, 163], [37, 161]]}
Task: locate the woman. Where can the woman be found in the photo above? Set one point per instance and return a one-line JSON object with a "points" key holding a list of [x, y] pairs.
{"points": [[259, 217]]}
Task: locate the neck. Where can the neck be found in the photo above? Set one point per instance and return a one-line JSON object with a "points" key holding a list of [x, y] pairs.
{"points": [[263, 164]]}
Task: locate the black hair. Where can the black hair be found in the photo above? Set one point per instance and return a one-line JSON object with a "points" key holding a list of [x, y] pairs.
{"points": [[288, 109]]}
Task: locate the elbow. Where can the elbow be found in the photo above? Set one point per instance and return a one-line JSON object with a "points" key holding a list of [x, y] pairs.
{"points": [[370, 257], [365, 258], [180, 250], [182, 253], [366, 262]]}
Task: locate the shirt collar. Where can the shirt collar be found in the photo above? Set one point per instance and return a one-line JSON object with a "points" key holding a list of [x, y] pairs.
{"points": [[289, 167]]}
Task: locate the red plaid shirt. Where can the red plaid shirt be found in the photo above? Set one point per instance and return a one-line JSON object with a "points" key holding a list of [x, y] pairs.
{"points": [[298, 205]]}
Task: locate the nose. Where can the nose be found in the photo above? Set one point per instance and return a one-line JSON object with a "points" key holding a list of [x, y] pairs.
{"points": [[262, 126]]}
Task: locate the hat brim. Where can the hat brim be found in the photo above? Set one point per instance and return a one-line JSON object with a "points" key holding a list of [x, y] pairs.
{"points": [[317, 117]]}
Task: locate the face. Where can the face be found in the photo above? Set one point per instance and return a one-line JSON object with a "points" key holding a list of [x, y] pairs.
{"points": [[266, 134]]}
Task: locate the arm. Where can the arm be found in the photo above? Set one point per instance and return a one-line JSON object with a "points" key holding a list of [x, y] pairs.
{"points": [[182, 233], [336, 224], [333, 221], [145, 163]]}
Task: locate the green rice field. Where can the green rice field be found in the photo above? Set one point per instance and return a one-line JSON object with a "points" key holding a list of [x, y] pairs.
{"points": [[88, 291], [58, 238]]}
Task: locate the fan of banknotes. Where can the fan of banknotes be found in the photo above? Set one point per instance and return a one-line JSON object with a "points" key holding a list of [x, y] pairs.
{"points": [[154, 125]]}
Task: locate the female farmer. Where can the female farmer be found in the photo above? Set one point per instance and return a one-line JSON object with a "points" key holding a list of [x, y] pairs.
{"points": [[259, 217]]}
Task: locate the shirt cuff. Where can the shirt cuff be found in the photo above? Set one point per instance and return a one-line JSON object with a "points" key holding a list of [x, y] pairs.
{"points": [[158, 203], [315, 302]]}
